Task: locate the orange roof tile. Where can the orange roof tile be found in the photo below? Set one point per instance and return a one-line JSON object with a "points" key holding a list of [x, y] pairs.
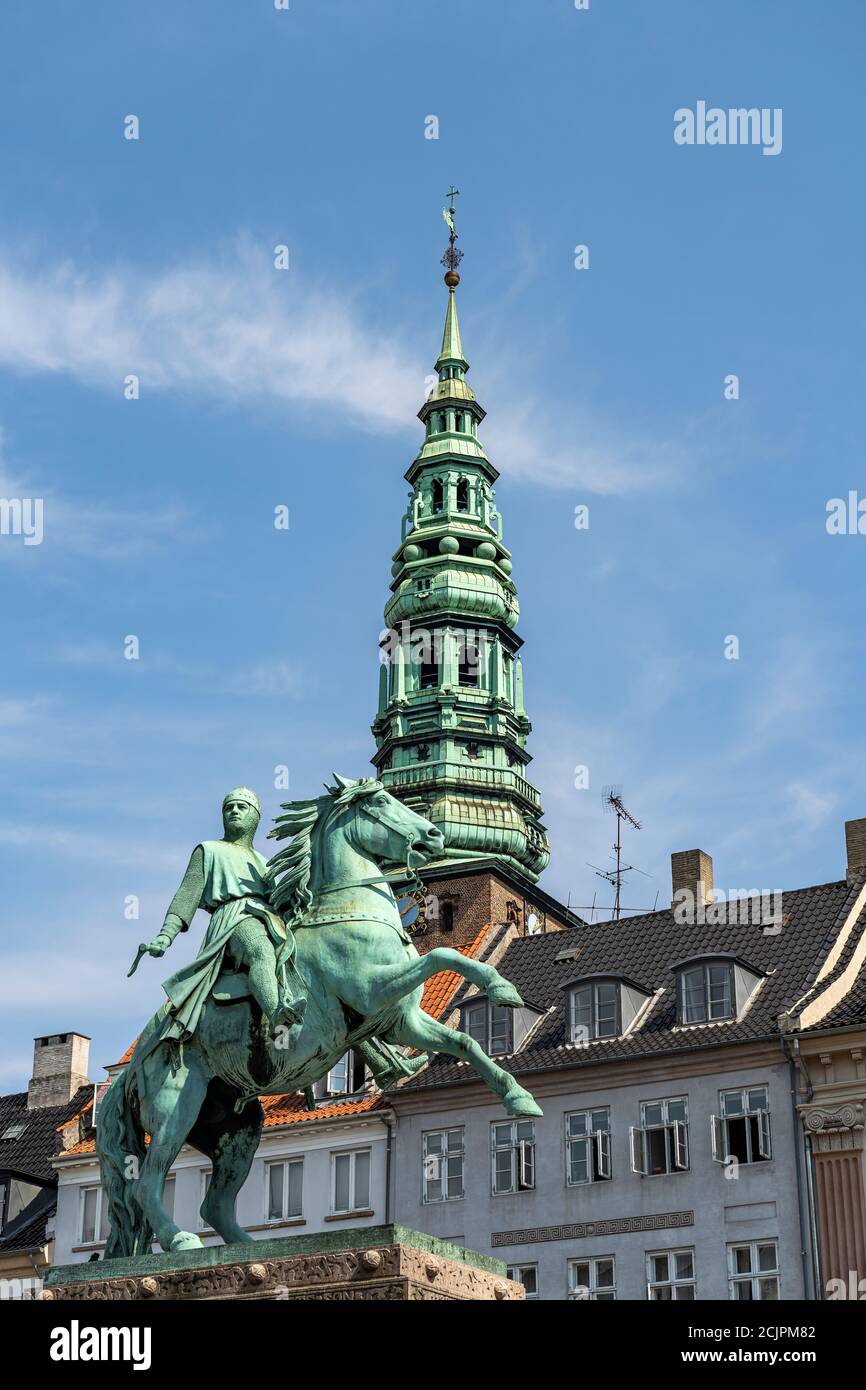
{"points": [[290, 1108], [440, 988], [75, 1118]]}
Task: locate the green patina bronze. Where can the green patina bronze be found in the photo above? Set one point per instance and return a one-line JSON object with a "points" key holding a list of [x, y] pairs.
{"points": [[451, 728], [305, 957]]}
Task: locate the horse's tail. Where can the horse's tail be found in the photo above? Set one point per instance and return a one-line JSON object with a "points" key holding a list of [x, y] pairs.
{"points": [[121, 1148]]}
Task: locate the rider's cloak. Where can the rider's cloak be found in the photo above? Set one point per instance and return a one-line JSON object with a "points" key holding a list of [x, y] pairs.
{"points": [[234, 887]]}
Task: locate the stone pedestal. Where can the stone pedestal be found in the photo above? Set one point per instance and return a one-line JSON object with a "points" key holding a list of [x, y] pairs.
{"points": [[372, 1263]]}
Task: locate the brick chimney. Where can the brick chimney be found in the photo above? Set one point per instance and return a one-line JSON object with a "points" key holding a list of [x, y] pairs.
{"points": [[855, 843], [692, 869], [59, 1068]]}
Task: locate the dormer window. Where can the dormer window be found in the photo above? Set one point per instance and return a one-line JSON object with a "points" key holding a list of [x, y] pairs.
{"points": [[594, 1011], [713, 988], [603, 1006], [489, 1025], [499, 1031], [706, 993]]}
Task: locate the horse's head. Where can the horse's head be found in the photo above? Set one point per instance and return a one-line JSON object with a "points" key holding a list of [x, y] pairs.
{"points": [[379, 825], [370, 822]]}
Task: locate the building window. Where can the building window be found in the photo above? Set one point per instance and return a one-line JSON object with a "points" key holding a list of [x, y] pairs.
{"points": [[428, 675], [753, 1270], [594, 1011], [742, 1131], [527, 1275], [345, 1078], [205, 1175], [350, 1181], [706, 993], [94, 1221], [587, 1146], [592, 1280], [438, 495], [468, 664], [513, 1156], [446, 916], [489, 1025], [284, 1187], [661, 1143], [463, 496], [671, 1276], [443, 1165]]}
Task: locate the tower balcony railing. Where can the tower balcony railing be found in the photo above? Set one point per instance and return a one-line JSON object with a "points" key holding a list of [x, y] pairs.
{"points": [[465, 774]]}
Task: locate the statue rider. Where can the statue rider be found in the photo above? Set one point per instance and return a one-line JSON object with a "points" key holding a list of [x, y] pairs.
{"points": [[228, 878]]}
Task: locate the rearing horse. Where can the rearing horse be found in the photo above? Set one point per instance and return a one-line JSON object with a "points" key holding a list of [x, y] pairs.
{"points": [[363, 977]]}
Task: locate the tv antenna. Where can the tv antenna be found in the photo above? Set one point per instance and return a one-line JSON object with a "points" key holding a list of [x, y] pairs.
{"points": [[611, 799]]}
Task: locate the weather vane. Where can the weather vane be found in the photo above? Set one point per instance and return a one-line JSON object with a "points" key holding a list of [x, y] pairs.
{"points": [[452, 257]]}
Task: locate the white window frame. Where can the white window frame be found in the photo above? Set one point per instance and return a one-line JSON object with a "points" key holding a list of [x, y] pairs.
{"points": [[522, 1150], [204, 1180], [672, 1282], [352, 1155], [516, 1272], [101, 1214], [757, 1275], [428, 1159], [593, 1292], [285, 1164], [505, 1015], [676, 1139], [575, 1030], [707, 1015], [597, 1143], [720, 1134]]}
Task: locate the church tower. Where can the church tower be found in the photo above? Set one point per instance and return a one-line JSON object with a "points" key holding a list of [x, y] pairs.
{"points": [[451, 728]]}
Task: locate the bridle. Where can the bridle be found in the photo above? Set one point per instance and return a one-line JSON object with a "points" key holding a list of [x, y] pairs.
{"points": [[415, 890]]}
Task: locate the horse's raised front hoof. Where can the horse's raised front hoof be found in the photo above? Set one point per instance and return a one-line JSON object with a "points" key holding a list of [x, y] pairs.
{"points": [[502, 992], [520, 1104], [185, 1240]]}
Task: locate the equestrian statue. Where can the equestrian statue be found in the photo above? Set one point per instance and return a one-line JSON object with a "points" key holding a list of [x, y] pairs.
{"points": [[305, 957]]}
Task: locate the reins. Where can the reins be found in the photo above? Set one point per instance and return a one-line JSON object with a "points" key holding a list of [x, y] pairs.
{"points": [[415, 890]]}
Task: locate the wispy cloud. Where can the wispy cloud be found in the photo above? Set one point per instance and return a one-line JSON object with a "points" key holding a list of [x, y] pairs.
{"points": [[275, 678], [238, 330]]}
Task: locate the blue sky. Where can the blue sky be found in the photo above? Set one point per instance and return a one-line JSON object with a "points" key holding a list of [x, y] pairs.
{"points": [[259, 388]]}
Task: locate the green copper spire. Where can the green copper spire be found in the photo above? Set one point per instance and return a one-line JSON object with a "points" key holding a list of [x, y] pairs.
{"points": [[452, 348], [451, 729]]}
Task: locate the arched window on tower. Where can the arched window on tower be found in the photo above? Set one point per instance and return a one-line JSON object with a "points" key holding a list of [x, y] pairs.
{"points": [[463, 496], [438, 495], [458, 422]]}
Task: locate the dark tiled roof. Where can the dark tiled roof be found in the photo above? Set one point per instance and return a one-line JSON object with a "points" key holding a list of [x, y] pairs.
{"points": [[31, 1234], [31, 1153], [643, 949]]}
